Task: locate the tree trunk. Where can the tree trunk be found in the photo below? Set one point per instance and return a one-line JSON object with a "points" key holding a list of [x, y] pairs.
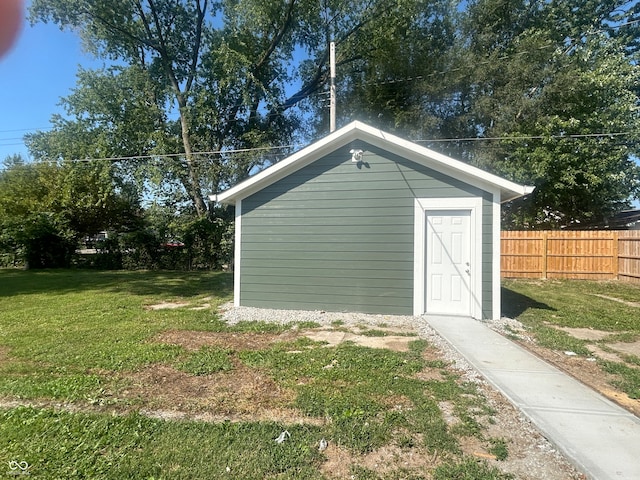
{"points": [[193, 187]]}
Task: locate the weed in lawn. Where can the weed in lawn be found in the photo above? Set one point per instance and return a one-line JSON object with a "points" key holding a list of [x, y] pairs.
{"points": [[86, 337], [363, 473], [374, 332], [558, 340], [625, 337], [85, 321], [349, 385], [257, 327], [152, 285], [499, 448], [572, 303], [417, 347], [68, 387], [631, 359], [629, 377]]}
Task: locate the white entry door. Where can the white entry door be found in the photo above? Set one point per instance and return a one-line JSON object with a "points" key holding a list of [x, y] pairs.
{"points": [[448, 256]]}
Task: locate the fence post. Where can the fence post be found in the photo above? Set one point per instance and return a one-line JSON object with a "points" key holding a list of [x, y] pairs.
{"points": [[616, 250], [545, 238]]}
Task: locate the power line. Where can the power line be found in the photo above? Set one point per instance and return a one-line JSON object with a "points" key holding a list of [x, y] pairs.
{"points": [[240, 151], [236, 151], [526, 137], [431, 75], [34, 129], [415, 78], [365, 83]]}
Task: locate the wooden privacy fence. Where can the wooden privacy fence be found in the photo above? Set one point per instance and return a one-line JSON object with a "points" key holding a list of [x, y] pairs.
{"points": [[590, 254]]}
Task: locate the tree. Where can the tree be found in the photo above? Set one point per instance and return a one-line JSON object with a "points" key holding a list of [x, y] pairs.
{"points": [[559, 83], [46, 208], [200, 91], [396, 83], [213, 77], [583, 161]]}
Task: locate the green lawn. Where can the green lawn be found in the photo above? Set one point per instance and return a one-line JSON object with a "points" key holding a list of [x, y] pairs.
{"points": [[573, 303], [72, 343], [544, 305], [63, 328]]}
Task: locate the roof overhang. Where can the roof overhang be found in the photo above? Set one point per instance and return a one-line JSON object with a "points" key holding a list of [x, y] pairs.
{"points": [[404, 148]]}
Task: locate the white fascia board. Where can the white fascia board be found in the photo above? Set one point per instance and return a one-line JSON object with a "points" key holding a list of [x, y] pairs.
{"points": [[422, 155]]}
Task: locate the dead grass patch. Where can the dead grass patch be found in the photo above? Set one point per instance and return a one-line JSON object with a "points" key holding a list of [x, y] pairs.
{"points": [[585, 333], [166, 305], [4, 354], [397, 403], [194, 340], [335, 337], [384, 461], [241, 394], [619, 300], [627, 348]]}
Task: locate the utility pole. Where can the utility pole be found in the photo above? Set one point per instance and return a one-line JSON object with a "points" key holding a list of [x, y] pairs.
{"points": [[332, 92]]}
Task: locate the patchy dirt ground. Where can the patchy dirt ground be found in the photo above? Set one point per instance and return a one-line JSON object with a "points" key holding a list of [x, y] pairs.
{"points": [[244, 394]]}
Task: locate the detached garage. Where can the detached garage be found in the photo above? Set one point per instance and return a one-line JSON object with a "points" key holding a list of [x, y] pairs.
{"points": [[365, 221]]}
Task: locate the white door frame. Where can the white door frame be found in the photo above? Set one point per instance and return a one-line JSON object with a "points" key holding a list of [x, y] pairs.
{"points": [[421, 206]]}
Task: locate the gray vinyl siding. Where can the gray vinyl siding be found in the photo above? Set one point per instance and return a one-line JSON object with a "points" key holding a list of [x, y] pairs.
{"points": [[338, 236]]}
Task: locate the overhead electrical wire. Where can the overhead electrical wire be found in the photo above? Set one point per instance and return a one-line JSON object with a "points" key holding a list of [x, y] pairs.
{"points": [[239, 151], [177, 156], [487, 60], [366, 83], [526, 137]]}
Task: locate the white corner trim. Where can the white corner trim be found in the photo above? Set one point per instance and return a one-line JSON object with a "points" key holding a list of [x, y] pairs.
{"points": [[421, 205], [237, 249], [496, 285], [419, 225]]}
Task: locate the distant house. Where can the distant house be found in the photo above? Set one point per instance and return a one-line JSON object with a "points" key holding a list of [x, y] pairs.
{"points": [[365, 221], [627, 220]]}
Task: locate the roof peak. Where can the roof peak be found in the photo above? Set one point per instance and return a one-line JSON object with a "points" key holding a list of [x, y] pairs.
{"points": [[387, 141]]}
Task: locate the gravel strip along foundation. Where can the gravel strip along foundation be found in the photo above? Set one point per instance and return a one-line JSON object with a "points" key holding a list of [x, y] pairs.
{"points": [[531, 456]]}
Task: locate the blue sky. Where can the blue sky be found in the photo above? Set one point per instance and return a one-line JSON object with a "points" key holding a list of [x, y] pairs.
{"points": [[39, 70]]}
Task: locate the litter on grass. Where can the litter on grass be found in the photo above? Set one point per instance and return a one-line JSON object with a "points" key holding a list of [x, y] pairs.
{"points": [[283, 436], [323, 445]]}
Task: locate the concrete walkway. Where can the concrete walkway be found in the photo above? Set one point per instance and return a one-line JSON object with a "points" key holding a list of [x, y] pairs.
{"points": [[599, 437]]}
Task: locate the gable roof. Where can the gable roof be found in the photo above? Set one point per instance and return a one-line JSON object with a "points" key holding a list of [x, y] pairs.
{"points": [[360, 131]]}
